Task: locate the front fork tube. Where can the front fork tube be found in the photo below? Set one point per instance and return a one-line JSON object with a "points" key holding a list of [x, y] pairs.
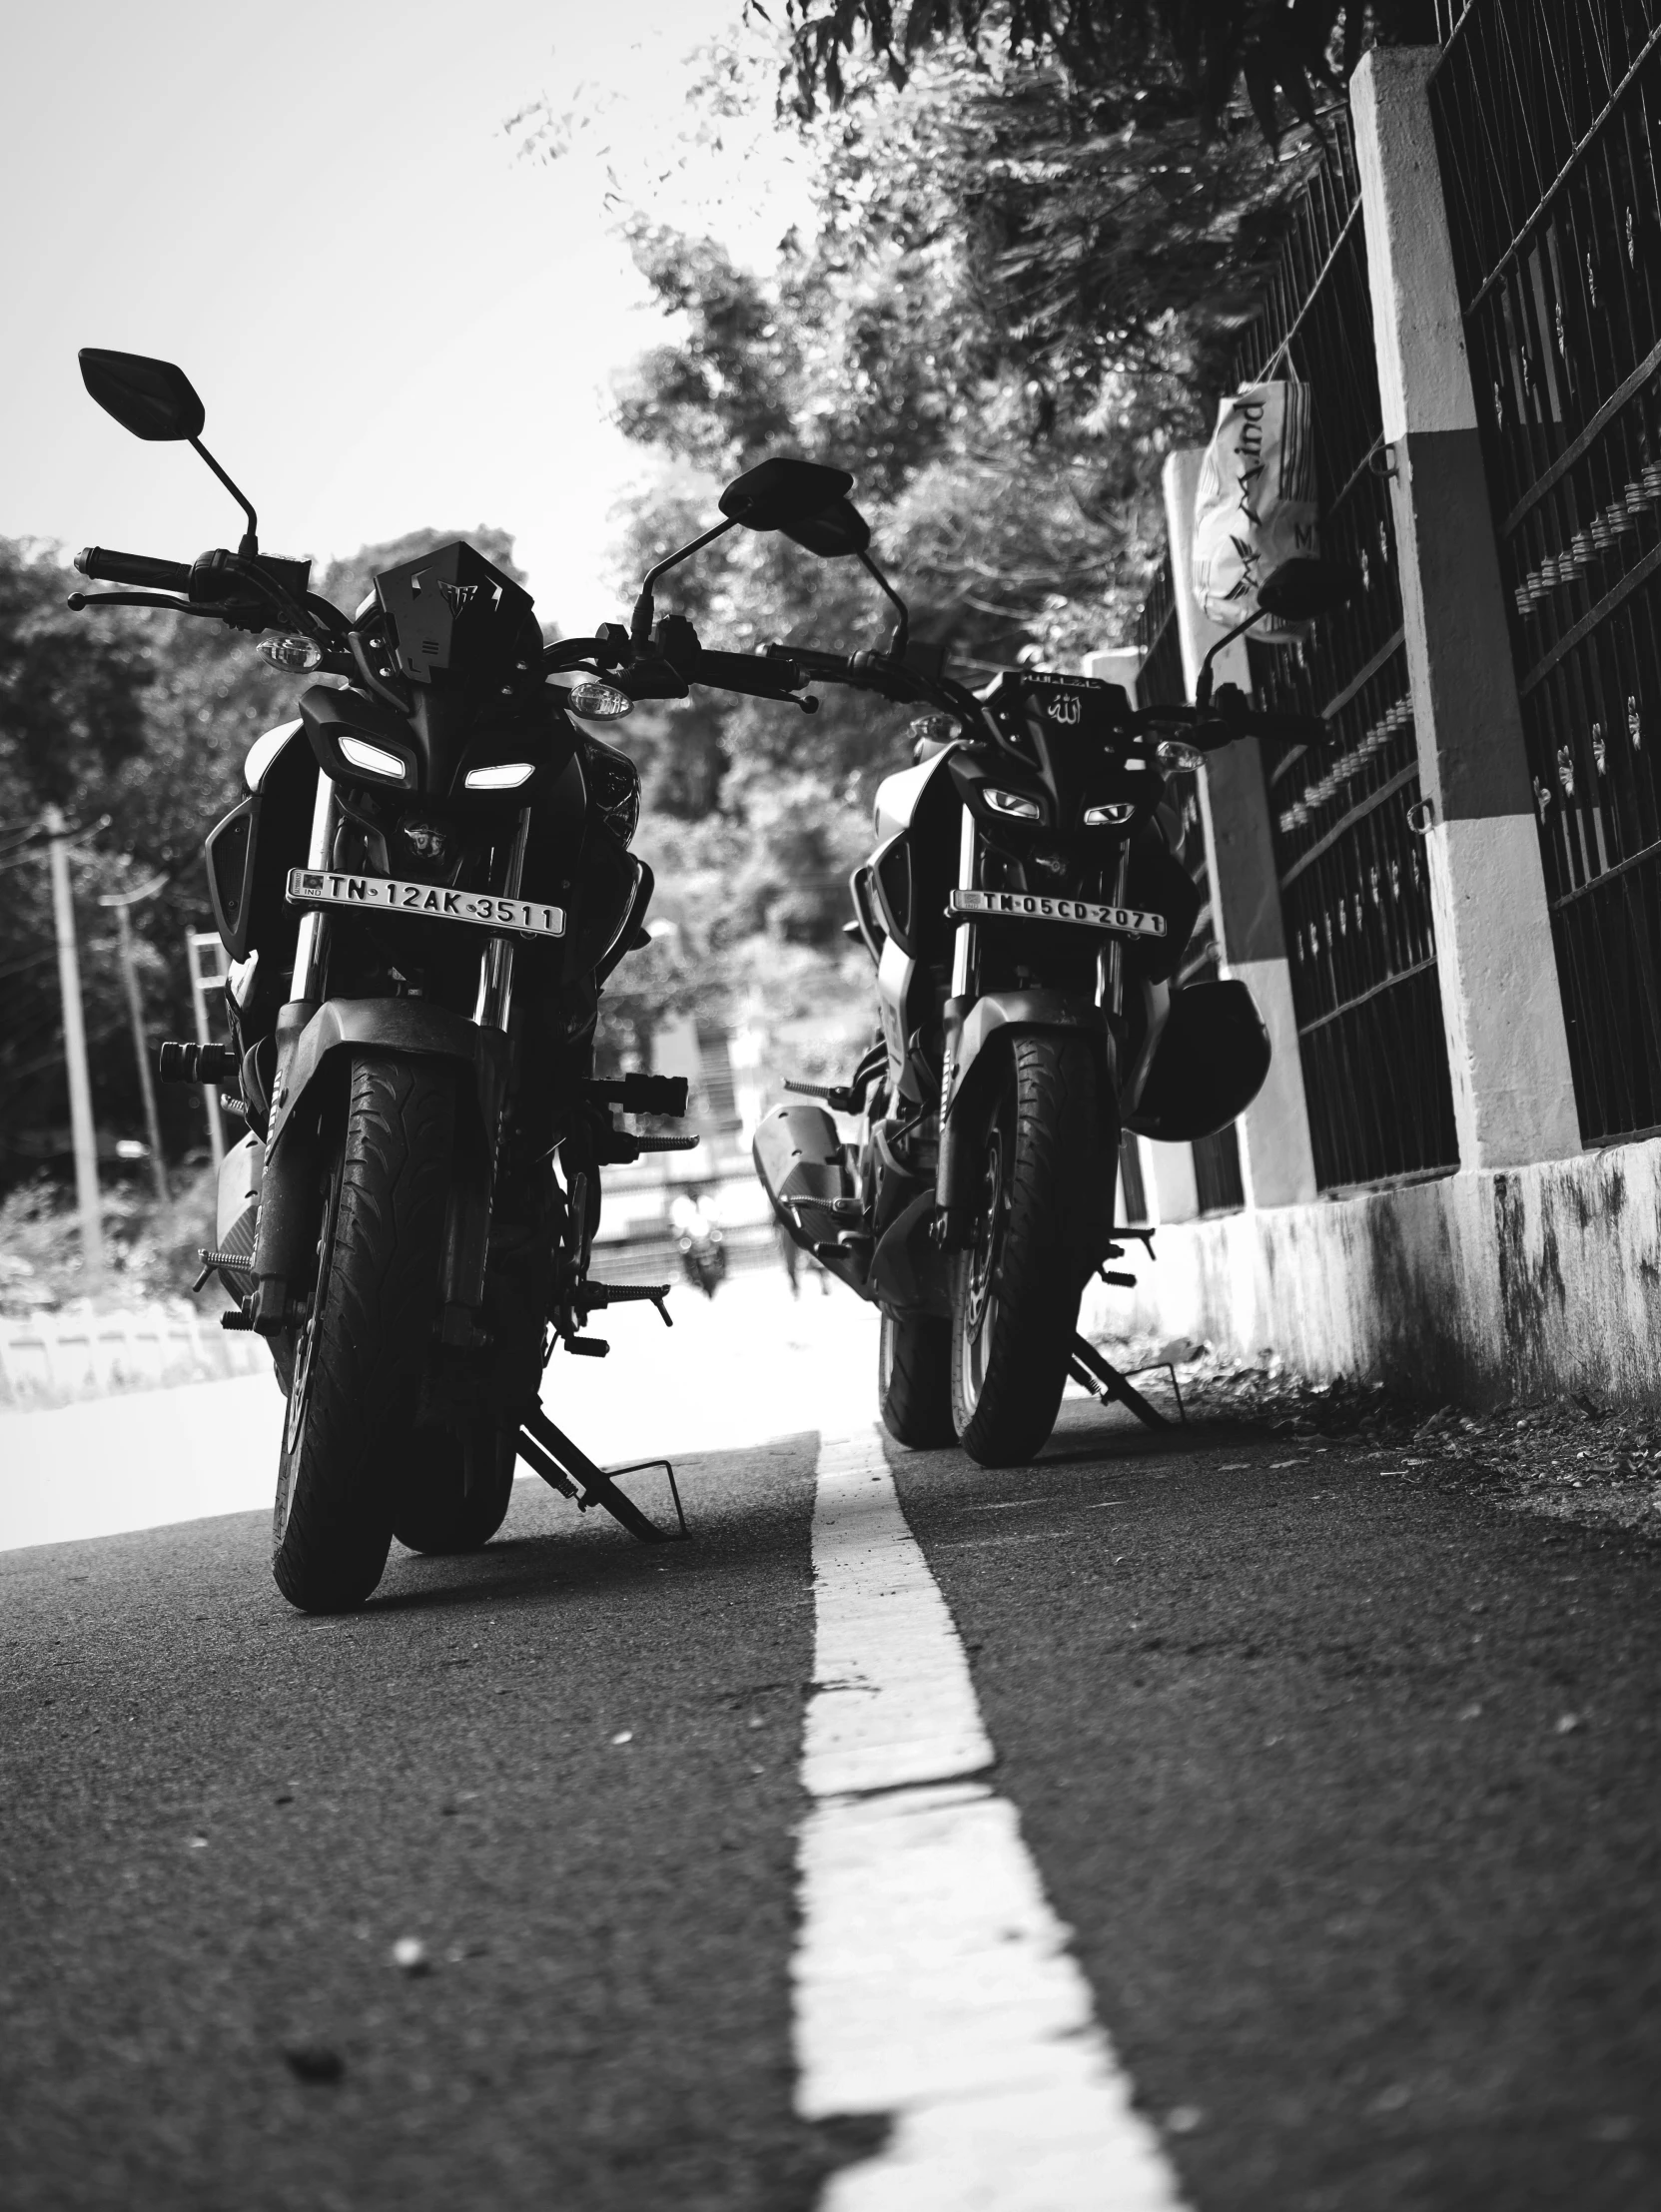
{"points": [[965, 984], [467, 1212], [495, 1002], [286, 1228], [1110, 961]]}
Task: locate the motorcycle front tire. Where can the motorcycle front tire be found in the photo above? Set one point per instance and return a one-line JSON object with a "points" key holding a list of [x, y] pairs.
{"points": [[358, 1362], [1015, 1290], [914, 1380], [453, 1491]]}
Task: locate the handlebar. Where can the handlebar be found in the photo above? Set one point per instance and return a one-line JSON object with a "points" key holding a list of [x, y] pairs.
{"points": [[104, 566]]}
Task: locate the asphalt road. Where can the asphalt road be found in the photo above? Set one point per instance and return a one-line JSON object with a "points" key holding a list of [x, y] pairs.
{"points": [[1346, 1782]]}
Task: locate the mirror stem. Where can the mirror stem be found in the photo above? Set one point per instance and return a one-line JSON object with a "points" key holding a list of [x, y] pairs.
{"points": [[902, 629], [251, 536], [1203, 683], [640, 622]]}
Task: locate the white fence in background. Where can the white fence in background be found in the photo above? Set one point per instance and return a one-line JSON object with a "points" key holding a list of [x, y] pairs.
{"points": [[54, 1358]]}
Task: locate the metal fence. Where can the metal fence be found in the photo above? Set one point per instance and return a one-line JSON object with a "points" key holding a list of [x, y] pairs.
{"points": [[1216, 1168], [1546, 117], [1355, 888]]}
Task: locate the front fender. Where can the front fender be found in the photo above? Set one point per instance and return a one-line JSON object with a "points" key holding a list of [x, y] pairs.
{"points": [[389, 1026], [978, 1038], [310, 1040], [997, 1015]]}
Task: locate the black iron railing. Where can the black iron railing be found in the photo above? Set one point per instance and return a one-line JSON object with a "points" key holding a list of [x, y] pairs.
{"points": [[1547, 117], [1216, 1168], [1354, 889]]}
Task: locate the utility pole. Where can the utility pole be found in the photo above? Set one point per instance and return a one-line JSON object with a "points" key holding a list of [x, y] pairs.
{"points": [[201, 945], [122, 901], [75, 1053]]}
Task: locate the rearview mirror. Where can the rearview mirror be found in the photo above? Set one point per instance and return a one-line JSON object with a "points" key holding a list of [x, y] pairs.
{"points": [[1298, 590], [151, 399], [782, 492], [839, 532]]}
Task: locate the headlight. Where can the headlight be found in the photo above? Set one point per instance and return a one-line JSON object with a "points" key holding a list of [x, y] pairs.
{"points": [[374, 760], [507, 775], [1112, 817], [1011, 801]]}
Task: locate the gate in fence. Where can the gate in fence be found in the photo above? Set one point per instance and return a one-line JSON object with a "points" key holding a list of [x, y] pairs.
{"points": [[1219, 1184], [1355, 887], [1547, 119]]}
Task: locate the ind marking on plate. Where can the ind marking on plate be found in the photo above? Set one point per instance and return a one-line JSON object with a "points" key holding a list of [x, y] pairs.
{"points": [[1032, 906], [311, 887]]}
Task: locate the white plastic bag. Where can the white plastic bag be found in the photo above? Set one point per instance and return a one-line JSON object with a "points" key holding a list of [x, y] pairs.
{"points": [[1255, 507]]}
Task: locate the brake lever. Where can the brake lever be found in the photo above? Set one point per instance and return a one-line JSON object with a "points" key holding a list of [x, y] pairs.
{"points": [[78, 600]]}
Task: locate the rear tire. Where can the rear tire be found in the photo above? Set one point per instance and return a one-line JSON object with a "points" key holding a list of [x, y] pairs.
{"points": [[914, 1380], [1016, 1291], [358, 1363], [454, 1492]]}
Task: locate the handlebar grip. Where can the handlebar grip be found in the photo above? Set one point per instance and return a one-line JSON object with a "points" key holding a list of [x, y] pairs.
{"points": [[104, 566], [746, 672]]}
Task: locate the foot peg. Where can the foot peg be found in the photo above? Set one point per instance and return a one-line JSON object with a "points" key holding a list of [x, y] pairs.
{"points": [[642, 1094], [177, 1063], [594, 1294]]}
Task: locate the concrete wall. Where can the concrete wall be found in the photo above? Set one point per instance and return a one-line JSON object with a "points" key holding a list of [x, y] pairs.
{"points": [[1523, 1281]]}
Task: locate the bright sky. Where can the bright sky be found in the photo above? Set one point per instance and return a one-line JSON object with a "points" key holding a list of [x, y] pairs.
{"points": [[317, 213]]}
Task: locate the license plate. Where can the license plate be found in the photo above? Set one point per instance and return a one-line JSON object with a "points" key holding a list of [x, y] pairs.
{"points": [[311, 886], [1035, 905]]}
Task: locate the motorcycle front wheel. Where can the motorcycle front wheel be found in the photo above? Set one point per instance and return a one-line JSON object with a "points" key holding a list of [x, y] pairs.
{"points": [[357, 1361], [914, 1380], [453, 1491], [1015, 1290]]}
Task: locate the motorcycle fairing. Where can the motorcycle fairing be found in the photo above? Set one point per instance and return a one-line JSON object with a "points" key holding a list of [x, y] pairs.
{"points": [[442, 739], [452, 614], [274, 819], [265, 750]]}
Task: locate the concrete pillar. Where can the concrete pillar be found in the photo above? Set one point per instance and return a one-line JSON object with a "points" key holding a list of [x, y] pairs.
{"points": [[1175, 1195], [1277, 1162], [1507, 1049]]}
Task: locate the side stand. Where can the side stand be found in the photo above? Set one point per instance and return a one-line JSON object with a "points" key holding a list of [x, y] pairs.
{"points": [[564, 1467], [1102, 1381]]}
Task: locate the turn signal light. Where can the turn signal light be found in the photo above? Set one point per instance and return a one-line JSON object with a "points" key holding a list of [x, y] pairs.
{"points": [[1178, 758], [599, 702], [507, 775], [295, 654]]}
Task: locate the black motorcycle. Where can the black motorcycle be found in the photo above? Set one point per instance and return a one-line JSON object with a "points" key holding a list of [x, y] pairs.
{"points": [[1025, 913], [421, 896]]}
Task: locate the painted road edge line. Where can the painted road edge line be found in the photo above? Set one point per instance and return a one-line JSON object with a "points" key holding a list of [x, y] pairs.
{"points": [[932, 1981]]}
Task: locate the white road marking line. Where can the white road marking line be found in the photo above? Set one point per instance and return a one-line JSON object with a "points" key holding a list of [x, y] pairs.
{"points": [[933, 1983]]}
